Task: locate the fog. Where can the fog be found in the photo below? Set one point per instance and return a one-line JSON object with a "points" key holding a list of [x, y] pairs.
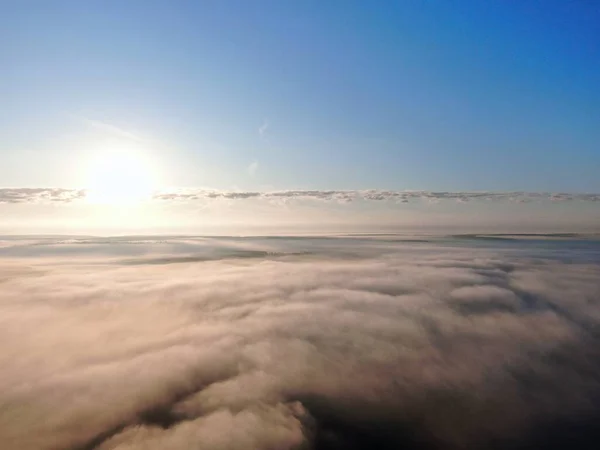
{"points": [[283, 343]]}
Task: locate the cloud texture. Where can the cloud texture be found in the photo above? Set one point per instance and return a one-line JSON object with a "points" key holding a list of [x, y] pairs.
{"points": [[40, 195], [280, 343], [30, 195], [372, 195]]}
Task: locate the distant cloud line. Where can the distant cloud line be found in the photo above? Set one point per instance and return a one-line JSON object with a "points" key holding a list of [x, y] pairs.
{"points": [[374, 195], [59, 195], [40, 195]]}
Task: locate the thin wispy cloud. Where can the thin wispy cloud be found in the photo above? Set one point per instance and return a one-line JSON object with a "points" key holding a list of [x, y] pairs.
{"points": [[262, 130], [113, 129]]}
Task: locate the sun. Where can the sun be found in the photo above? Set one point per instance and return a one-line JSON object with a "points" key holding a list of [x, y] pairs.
{"points": [[120, 176]]}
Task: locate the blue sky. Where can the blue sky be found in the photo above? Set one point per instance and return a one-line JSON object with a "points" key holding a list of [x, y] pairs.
{"points": [[273, 95], [400, 95]]}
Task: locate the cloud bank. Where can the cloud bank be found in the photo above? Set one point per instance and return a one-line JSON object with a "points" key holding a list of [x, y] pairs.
{"points": [[37, 195], [277, 343], [372, 195], [40, 195]]}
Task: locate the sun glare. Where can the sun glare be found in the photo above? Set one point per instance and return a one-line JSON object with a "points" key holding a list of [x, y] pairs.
{"points": [[120, 177]]}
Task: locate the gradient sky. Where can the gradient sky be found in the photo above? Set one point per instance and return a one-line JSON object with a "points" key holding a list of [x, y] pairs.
{"points": [[262, 95]]}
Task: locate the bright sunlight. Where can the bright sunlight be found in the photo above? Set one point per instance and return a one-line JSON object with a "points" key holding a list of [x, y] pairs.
{"points": [[120, 176]]}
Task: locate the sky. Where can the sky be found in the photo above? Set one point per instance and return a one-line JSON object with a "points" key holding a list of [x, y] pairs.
{"points": [[127, 96]]}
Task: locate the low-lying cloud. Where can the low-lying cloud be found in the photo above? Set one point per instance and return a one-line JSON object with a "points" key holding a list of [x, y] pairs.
{"points": [[306, 343], [40, 195], [371, 195], [49, 195]]}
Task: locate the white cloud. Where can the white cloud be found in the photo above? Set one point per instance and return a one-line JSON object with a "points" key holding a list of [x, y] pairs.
{"points": [[310, 343]]}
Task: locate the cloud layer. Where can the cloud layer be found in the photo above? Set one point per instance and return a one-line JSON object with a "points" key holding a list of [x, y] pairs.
{"points": [[298, 343], [372, 195], [40, 195], [36, 195]]}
